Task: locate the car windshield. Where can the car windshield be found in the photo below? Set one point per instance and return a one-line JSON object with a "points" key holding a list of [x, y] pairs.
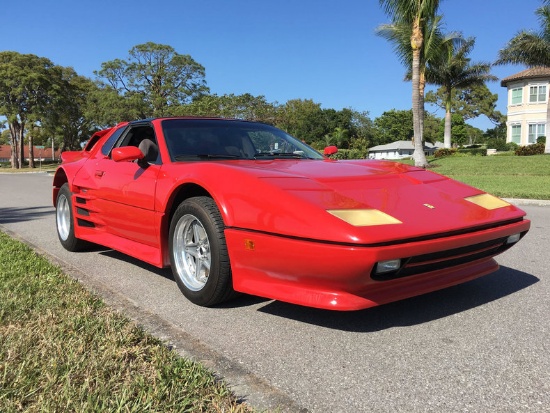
{"points": [[204, 139]]}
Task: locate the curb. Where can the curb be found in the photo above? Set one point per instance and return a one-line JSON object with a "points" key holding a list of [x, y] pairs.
{"points": [[528, 202]]}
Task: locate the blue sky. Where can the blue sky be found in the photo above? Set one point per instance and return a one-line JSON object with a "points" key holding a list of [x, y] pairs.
{"points": [[322, 50]]}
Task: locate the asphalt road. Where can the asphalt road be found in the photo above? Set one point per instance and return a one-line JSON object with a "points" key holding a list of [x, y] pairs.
{"points": [[483, 346]]}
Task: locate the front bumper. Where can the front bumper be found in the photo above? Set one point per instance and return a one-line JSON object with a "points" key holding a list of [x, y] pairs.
{"points": [[339, 277]]}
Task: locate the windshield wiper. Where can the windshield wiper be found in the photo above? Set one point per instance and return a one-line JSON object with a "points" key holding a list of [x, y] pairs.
{"points": [[291, 155], [201, 156]]}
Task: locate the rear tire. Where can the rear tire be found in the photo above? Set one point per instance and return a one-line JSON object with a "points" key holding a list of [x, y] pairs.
{"points": [[198, 252], [64, 221]]}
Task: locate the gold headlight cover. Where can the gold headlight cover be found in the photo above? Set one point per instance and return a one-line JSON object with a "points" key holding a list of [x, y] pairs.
{"points": [[487, 201], [364, 217]]}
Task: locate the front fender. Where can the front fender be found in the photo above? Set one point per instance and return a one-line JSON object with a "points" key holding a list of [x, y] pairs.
{"points": [[63, 174], [247, 200]]}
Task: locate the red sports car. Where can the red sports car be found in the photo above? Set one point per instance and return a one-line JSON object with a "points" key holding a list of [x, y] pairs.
{"points": [[235, 206]]}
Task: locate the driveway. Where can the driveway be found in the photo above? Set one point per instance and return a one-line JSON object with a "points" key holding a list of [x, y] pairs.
{"points": [[482, 346]]}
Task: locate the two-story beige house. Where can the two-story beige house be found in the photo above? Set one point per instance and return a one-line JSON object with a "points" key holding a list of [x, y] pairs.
{"points": [[528, 102]]}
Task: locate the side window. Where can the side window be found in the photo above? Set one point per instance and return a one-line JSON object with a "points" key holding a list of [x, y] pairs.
{"points": [[108, 145], [143, 137], [91, 143], [136, 134]]}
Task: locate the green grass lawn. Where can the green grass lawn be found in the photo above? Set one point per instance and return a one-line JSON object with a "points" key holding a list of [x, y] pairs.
{"points": [[504, 176], [63, 350]]}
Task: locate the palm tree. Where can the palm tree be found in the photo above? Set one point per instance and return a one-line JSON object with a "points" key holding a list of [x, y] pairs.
{"points": [[453, 70], [341, 136], [436, 45], [416, 15], [531, 49], [528, 47]]}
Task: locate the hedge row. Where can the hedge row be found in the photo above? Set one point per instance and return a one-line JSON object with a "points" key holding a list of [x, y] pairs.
{"points": [[535, 149]]}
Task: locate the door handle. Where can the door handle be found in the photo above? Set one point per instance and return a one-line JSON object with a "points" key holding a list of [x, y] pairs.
{"points": [[99, 174]]}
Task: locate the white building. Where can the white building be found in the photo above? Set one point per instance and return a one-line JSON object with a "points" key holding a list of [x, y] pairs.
{"points": [[528, 106], [400, 150]]}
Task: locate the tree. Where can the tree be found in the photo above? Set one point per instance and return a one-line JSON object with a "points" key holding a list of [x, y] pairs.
{"points": [[531, 49], [106, 107], [416, 15], [453, 70], [247, 106], [397, 125], [304, 119], [393, 125], [340, 137], [27, 85], [462, 133], [432, 132], [496, 137], [5, 136], [434, 46], [469, 102], [459, 131], [155, 79], [361, 128], [68, 122]]}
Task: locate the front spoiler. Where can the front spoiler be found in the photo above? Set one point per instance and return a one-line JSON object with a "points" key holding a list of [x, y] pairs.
{"points": [[338, 277]]}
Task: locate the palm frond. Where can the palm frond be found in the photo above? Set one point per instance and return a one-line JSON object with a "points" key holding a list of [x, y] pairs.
{"points": [[399, 35], [525, 48], [529, 47]]}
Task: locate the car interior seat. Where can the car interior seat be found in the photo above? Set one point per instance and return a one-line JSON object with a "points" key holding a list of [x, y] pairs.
{"points": [[150, 150], [239, 146]]}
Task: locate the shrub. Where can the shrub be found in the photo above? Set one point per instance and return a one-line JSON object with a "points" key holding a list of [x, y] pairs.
{"points": [[474, 151], [357, 153], [511, 146], [341, 154], [354, 153], [534, 149], [541, 139], [498, 144], [349, 154], [440, 153], [507, 153]]}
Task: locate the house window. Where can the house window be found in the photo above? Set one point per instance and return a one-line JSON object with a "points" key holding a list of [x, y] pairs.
{"points": [[516, 134], [536, 130], [537, 93], [517, 95]]}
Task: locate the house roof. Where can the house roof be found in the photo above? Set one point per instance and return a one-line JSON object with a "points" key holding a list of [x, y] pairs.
{"points": [[531, 73], [397, 145]]}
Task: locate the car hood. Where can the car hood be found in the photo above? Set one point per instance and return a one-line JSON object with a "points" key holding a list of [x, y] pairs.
{"points": [[422, 202]]}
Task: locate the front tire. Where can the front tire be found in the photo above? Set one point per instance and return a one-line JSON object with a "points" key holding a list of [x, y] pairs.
{"points": [[198, 252], [64, 221]]}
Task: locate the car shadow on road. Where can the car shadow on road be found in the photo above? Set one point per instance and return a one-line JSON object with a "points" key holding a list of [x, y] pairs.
{"points": [[163, 272], [412, 311], [242, 300], [12, 215]]}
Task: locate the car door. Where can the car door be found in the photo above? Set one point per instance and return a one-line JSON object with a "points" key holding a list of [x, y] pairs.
{"points": [[123, 193]]}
